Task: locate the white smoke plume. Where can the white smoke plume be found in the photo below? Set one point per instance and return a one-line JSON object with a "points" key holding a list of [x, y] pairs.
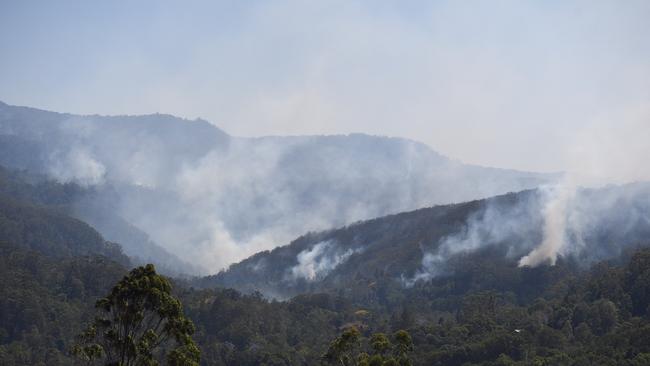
{"points": [[213, 199], [77, 165], [588, 224], [555, 212], [606, 153], [603, 155], [319, 260], [515, 224], [218, 201]]}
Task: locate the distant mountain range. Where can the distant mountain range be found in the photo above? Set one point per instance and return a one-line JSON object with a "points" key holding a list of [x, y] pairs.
{"points": [[169, 188], [81, 192]]}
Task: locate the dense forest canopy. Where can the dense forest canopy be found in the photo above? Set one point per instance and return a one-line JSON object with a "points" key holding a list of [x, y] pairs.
{"points": [[324, 183], [485, 310]]}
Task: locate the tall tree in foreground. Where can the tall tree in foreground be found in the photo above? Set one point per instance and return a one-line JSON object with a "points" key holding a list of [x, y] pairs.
{"points": [[140, 324], [346, 350]]}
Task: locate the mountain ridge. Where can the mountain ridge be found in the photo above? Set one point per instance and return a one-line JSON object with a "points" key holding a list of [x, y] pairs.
{"points": [[423, 244], [213, 199]]}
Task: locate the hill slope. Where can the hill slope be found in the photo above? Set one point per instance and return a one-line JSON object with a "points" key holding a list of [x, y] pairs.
{"points": [[35, 193], [481, 310], [213, 199], [27, 223], [427, 243]]}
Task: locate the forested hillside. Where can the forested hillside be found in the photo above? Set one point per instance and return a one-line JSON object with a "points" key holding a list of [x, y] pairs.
{"points": [[26, 224], [482, 310], [45, 302], [324, 183], [30, 192], [213, 199], [483, 316], [426, 243]]}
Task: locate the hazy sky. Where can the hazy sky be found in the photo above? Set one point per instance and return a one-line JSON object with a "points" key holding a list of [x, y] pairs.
{"points": [[502, 83]]}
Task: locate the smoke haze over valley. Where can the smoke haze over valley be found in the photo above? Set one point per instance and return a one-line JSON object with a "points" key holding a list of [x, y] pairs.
{"points": [[194, 199], [335, 183], [292, 84], [212, 199]]}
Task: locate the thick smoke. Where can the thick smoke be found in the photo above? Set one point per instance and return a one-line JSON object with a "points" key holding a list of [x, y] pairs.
{"points": [[605, 153], [76, 165], [213, 199], [588, 225], [555, 220], [514, 224], [317, 261], [592, 213]]}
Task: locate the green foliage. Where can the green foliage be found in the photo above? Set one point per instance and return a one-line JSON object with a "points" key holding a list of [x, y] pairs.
{"points": [[637, 282], [33, 217], [380, 343], [140, 323], [484, 311], [44, 301], [403, 346], [346, 349]]}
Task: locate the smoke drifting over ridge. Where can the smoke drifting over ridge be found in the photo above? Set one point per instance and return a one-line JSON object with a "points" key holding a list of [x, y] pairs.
{"points": [[614, 153], [567, 217], [586, 224], [76, 165], [420, 245], [212, 199]]}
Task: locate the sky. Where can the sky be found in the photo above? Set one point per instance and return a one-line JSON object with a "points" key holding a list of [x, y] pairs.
{"points": [[531, 85]]}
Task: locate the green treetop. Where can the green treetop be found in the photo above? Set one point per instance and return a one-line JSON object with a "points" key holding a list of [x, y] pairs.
{"points": [[140, 323]]}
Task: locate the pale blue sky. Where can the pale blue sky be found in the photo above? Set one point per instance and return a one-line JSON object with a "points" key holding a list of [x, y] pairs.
{"points": [[503, 83]]}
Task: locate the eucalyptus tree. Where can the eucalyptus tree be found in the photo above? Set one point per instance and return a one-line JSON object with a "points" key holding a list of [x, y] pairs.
{"points": [[139, 323]]}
